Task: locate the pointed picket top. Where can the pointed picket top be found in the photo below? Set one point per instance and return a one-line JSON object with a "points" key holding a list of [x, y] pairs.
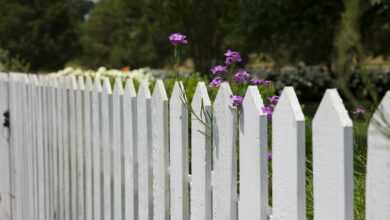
{"points": [[106, 86], [288, 158], [118, 86], [81, 83], [225, 157], [201, 192], [159, 92], [288, 104], [378, 160], [178, 122], [97, 85], [253, 101], [381, 118], [35, 81], [143, 91], [332, 160], [223, 98], [160, 152], [253, 201], [201, 96], [332, 108], [73, 82], [129, 88], [88, 83], [53, 82], [178, 94]]}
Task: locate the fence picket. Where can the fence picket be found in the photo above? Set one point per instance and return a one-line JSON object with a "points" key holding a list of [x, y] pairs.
{"points": [[178, 113], [288, 158], [378, 160], [253, 201], [144, 152], [160, 149], [201, 154], [66, 141], [87, 93], [81, 150], [60, 142], [129, 138], [54, 146], [5, 181], [116, 134], [332, 160], [80, 147], [72, 93], [97, 150], [105, 98], [225, 158]]}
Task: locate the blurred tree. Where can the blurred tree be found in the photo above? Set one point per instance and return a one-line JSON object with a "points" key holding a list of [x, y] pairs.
{"points": [[135, 33], [291, 30], [42, 32], [119, 33]]}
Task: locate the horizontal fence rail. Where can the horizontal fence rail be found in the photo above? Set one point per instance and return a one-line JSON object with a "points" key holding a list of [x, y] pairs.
{"points": [[91, 149]]}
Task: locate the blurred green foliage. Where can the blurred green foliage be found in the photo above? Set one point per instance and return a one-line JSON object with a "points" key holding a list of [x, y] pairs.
{"points": [[44, 33]]}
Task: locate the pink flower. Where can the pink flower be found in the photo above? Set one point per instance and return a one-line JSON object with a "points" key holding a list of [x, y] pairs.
{"points": [[260, 82], [178, 38], [232, 57], [219, 69], [273, 99], [359, 111], [242, 76], [236, 100], [216, 82], [268, 110]]}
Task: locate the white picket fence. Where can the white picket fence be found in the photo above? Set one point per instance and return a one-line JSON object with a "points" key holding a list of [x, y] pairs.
{"points": [[79, 150]]}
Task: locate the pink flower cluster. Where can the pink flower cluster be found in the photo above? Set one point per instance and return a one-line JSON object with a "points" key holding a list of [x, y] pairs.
{"points": [[241, 76]]}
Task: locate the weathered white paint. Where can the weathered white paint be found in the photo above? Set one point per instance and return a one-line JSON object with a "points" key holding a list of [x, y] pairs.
{"points": [[201, 154], [5, 154], [87, 115], [253, 200], [178, 119], [116, 135], [105, 98], [97, 150], [129, 141], [288, 158], [144, 152], [378, 163], [332, 160], [225, 156], [160, 149]]}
